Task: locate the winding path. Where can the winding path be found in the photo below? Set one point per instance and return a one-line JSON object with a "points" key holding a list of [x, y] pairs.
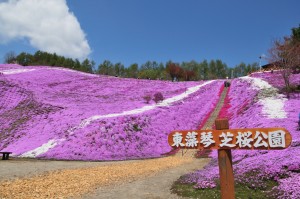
{"points": [[147, 179]]}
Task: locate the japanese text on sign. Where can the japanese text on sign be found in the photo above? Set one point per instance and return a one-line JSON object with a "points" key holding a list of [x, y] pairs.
{"points": [[258, 138]]}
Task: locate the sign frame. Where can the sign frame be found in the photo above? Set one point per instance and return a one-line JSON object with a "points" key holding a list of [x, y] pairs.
{"points": [[245, 139], [240, 138]]}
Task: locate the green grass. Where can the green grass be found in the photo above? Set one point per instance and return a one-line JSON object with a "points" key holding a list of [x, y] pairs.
{"points": [[241, 191], [187, 190]]}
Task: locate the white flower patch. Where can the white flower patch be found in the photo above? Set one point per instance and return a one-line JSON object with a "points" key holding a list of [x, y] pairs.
{"points": [[257, 83], [73, 71], [166, 102], [273, 106], [15, 71], [42, 149]]}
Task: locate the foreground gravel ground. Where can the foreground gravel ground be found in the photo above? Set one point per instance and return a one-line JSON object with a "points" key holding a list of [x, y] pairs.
{"points": [[155, 186], [84, 179]]}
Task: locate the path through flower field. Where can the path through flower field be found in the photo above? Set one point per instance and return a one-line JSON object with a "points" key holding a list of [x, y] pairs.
{"points": [[46, 114]]}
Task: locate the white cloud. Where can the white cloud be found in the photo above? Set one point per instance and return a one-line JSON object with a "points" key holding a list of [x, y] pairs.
{"points": [[47, 24]]}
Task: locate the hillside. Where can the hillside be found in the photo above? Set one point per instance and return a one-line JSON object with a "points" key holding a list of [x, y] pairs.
{"points": [[56, 113], [256, 101], [51, 112]]}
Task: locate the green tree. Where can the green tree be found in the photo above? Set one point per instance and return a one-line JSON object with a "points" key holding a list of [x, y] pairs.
{"points": [[150, 70], [24, 59], [106, 68], [119, 69], [221, 69], [87, 66], [148, 74], [192, 70], [203, 70], [149, 65], [77, 64], [133, 70], [212, 70], [296, 33], [240, 70], [162, 71]]}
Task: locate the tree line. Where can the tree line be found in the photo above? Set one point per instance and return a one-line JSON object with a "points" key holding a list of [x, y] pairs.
{"points": [[41, 58], [185, 71]]}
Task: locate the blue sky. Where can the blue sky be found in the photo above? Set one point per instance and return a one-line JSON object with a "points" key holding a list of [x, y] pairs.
{"points": [[160, 30]]}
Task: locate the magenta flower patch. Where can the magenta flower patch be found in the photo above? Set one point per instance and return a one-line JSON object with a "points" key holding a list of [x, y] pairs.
{"points": [[57, 113]]}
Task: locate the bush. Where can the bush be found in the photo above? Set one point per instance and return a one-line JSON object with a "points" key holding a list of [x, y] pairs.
{"points": [[147, 98], [158, 97]]}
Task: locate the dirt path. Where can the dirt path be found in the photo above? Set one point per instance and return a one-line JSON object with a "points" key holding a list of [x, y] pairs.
{"points": [[149, 179], [155, 186]]}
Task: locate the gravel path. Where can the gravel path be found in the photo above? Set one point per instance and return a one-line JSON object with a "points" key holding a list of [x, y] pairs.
{"points": [[16, 168], [75, 182], [149, 179], [155, 186]]}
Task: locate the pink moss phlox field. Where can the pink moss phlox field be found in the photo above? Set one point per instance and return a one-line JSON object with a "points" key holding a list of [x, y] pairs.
{"points": [[255, 168], [276, 79], [10, 66], [39, 106], [138, 136]]}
